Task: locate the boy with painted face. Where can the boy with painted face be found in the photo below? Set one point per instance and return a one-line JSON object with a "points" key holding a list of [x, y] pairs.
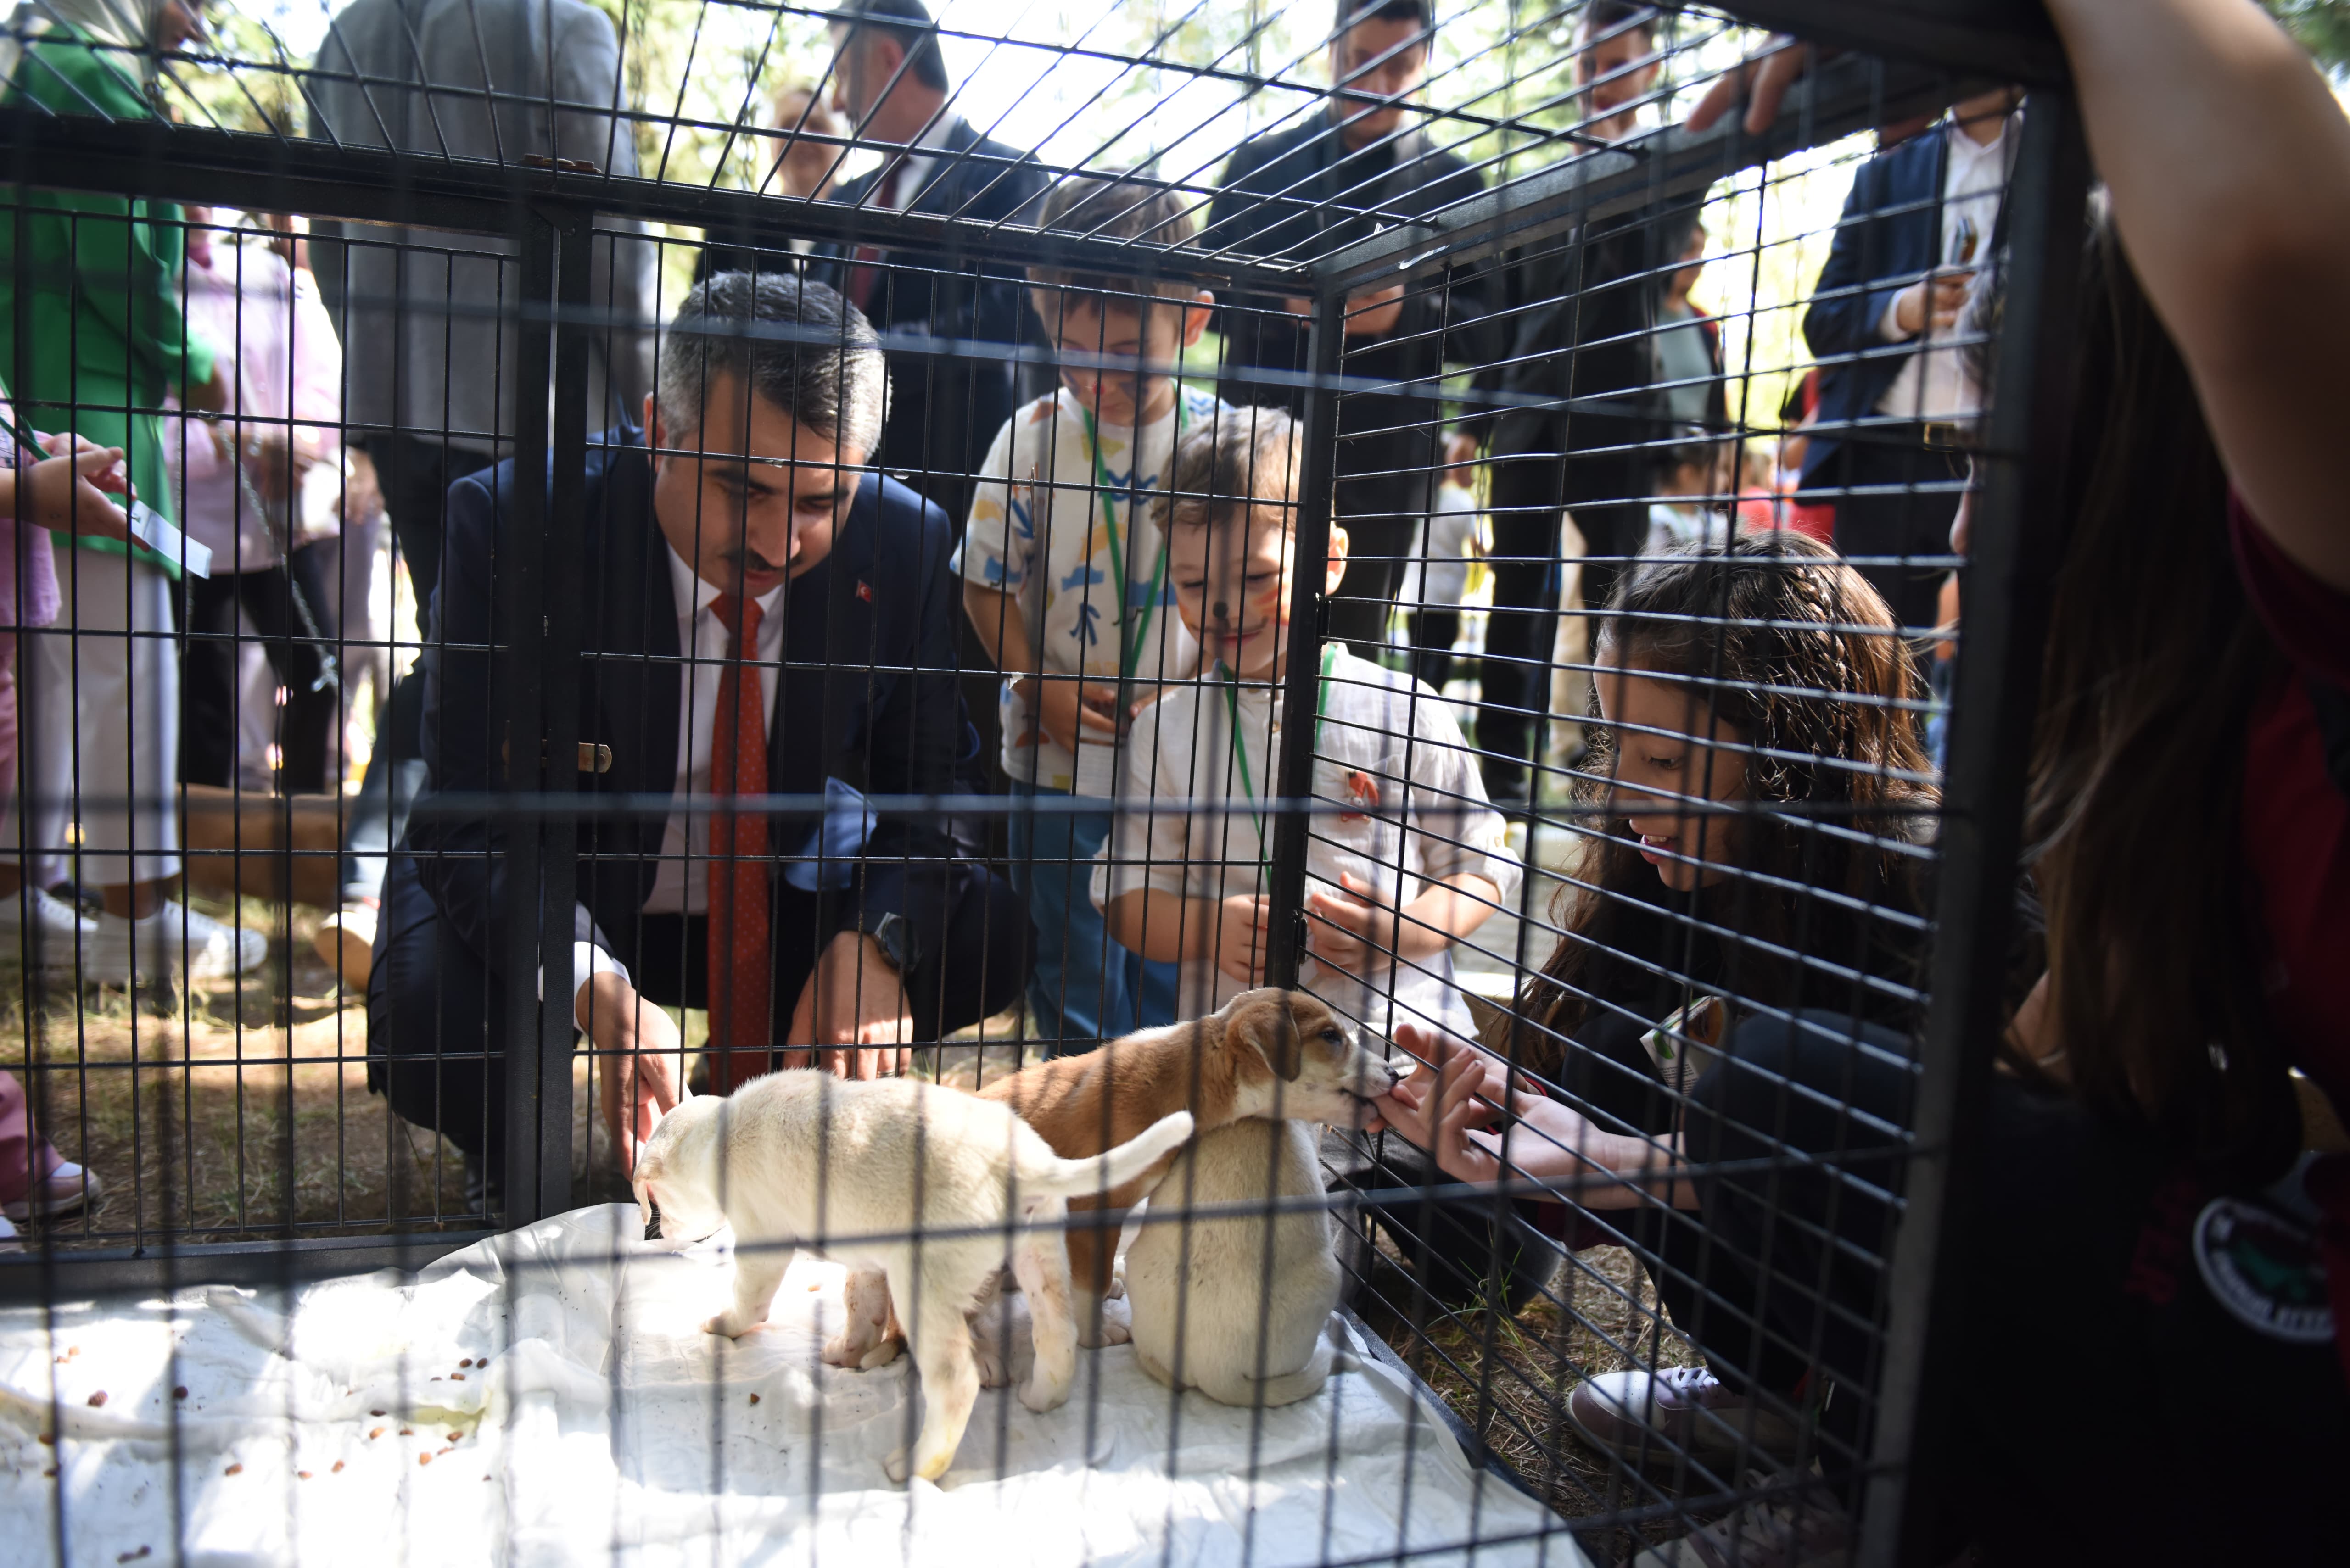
{"points": [[1406, 855], [1065, 577]]}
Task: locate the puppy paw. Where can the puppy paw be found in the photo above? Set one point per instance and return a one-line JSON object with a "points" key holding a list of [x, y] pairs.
{"points": [[895, 1468], [729, 1324], [1040, 1396], [1117, 1292], [1111, 1332], [988, 1356], [881, 1354]]}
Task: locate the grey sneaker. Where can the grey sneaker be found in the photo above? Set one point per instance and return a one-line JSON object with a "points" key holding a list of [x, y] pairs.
{"points": [[1798, 1526], [63, 1191], [1677, 1410]]}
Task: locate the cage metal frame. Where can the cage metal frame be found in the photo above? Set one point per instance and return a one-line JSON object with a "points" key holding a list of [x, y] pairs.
{"points": [[1923, 53]]}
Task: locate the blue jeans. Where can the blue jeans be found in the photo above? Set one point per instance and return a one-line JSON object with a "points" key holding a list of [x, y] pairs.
{"points": [[1084, 988]]}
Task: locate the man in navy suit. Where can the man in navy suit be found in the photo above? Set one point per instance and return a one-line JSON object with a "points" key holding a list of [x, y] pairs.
{"points": [[1920, 218], [759, 616]]}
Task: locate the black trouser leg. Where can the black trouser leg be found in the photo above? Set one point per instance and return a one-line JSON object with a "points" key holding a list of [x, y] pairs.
{"points": [[1433, 633], [210, 678], [1464, 1247], [1380, 513], [436, 1024], [307, 724], [1892, 519], [208, 681]]}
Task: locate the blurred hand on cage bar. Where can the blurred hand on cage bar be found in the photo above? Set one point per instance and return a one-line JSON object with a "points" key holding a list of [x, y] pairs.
{"points": [[1071, 711], [855, 998], [1370, 312], [640, 1048]]}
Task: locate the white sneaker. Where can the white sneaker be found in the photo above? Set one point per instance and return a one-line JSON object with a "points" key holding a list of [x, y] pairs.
{"points": [[121, 951], [67, 1188], [1677, 1410], [58, 931]]}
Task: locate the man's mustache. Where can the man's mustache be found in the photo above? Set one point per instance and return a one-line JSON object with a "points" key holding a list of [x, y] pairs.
{"points": [[747, 560]]}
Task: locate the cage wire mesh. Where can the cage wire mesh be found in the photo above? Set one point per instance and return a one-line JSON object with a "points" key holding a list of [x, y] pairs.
{"points": [[894, 472]]}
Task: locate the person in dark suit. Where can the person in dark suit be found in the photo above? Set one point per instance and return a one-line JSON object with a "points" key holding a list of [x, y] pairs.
{"points": [[1918, 218], [758, 617], [1365, 161], [1587, 318]]}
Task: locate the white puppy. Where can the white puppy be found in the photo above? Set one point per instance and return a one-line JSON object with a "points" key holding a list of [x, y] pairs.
{"points": [[1235, 1305], [917, 1182]]}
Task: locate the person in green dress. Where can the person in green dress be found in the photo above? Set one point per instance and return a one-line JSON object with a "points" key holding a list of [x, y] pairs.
{"points": [[107, 344]]}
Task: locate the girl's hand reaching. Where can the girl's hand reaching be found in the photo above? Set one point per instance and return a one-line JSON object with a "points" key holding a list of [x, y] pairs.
{"points": [[1409, 1108]]}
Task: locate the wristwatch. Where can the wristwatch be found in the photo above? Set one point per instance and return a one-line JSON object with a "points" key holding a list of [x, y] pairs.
{"points": [[894, 935]]}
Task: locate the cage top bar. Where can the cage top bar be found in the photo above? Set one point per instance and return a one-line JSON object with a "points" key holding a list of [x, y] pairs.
{"points": [[2010, 39], [1852, 94]]}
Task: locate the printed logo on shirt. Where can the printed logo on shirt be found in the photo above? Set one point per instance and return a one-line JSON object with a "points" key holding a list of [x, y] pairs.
{"points": [[1363, 795], [2264, 1268], [865, 590]]}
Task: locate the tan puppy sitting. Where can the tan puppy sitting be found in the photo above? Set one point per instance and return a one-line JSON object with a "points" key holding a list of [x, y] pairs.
{"points": [[1232, 1280], [1265, 1053], [897, 1177]]}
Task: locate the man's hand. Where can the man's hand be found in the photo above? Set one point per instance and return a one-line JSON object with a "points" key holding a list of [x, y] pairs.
{"points": [[852, 1016], [1069, 709], [1239, 936], [1781, 66], [1370, 312], [640, 1052], [1939, 298]]}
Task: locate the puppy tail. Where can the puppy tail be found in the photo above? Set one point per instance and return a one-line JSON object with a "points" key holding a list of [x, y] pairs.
{"points": [[1077, 1177]]}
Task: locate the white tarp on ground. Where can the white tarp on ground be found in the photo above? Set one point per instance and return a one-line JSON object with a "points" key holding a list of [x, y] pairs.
{"points": [[596, 1422]]}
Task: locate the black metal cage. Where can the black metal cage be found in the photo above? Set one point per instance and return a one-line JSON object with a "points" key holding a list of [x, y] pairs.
{"points": [[1537, 453]]}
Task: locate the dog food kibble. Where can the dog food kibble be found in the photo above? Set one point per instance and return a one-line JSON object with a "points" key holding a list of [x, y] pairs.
{"points": [[133, 1556], [374, 1432], [181, 1392], [98, 1399], [375, 1412], [337, 1469], [48, 1440], [49, 1474], [457, 1376], [233, 1471], [424, 1459], [408, 1431], [754, 1399], [301, 1475], [467, 1362], [454, 1435]]}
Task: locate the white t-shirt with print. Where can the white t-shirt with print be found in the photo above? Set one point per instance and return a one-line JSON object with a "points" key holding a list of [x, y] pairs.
{"points": [[1035, 534], [1409, 809]]}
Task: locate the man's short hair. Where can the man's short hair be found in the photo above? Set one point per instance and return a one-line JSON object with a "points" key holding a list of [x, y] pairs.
{"points": [[1603, 16], [907, 22], [1118, 206], [1242, 459], [1353, 11], [796, 344]]}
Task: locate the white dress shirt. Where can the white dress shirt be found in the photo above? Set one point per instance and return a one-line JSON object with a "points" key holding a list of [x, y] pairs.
{"points": [[1933, 383], [682, 884]]}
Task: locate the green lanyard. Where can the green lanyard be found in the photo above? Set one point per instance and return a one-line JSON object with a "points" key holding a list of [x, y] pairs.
{"points": [[1240, 746], [1129, 651]]}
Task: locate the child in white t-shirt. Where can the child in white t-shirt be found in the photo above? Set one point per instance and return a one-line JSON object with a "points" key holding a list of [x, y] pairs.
{"points": [[1413, 855], [1064, 577]]}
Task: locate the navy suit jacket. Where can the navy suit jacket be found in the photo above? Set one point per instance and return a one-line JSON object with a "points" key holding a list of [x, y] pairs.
{"points": [[868, 695], [1890, 236]]}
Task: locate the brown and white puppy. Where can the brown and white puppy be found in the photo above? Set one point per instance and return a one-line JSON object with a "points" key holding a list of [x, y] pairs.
{"points": [[1266, 1053], [899, 1179]]}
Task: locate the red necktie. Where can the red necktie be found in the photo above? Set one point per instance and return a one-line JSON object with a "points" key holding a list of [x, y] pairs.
{"points": [[741, 966], [865, 275]]}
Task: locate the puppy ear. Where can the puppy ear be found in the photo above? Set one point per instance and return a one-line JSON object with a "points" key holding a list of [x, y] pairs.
{"points": [[1267, 1024]]}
